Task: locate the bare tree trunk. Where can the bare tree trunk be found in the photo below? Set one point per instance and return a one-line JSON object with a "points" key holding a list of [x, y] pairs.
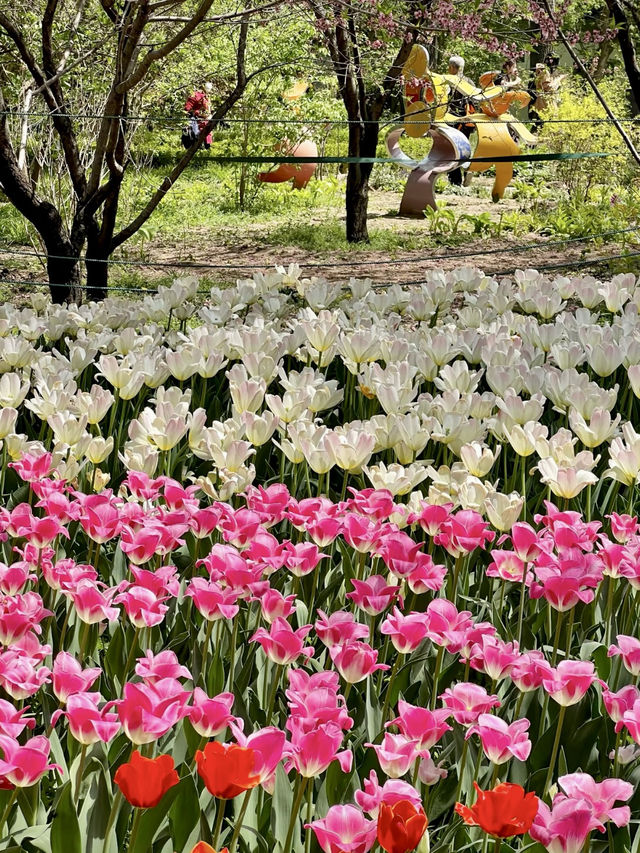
{"points": [[628, 50], [363, 141]]}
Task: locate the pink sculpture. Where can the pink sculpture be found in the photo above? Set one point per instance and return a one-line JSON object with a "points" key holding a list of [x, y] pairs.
{"points": [[301, 173]]}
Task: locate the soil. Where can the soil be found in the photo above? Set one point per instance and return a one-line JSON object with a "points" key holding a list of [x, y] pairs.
{"points": [[239, 253]]}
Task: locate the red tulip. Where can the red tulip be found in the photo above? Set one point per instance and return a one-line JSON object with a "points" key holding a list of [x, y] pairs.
{"points": [[145, 781], [400, 826], [203, 847], [226, 769], [505, 811]]}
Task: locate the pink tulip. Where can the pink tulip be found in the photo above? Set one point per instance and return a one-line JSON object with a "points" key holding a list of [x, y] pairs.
{"points": [[631, 720], [149, 711], [601, 796], [391, 792], [20, 674], [20, 614], [301, 559], [240, 526], [265, 549], [300, 513], [397, 754], [13, 720], [142, 607], [500, 741], [310, 753], [479, 633], [569, 681], [406, 632], [623, 527], [163, 581], [43, 531], [446, 626], [210, 717], [373, 595], [431, 517], [87, 723], [14, 577], [344, 830], [274, 605], [431, 773], [466, 701], [376, 503], [493, 657], [355, 661], [205, 521], [31, 467], [65, 575], [426, 576], [269, 503], [398, 552], [152, 668], [507, 566], [20, 520], [211, 600], [24, 765], [421, 725], [525, 541], [323, 529], [314, 700], [281, 643], [565, 827], [100, 517], [629, 649], [69, 676], [618, 703], [360, 532], [464, 532], [92, 603], [268, 747], [529, 671], [142, 486], [141, 545], [179, 497], [339, 628]]}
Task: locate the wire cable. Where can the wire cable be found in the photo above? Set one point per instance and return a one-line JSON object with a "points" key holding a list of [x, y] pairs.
{"points": [[524, 247]]}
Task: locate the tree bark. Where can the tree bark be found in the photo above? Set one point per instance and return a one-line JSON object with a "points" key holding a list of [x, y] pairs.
{"points": [[363, 141], [628, 50]]}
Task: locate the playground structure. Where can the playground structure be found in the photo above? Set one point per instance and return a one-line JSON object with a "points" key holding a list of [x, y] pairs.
{"points": [[426, 97]]}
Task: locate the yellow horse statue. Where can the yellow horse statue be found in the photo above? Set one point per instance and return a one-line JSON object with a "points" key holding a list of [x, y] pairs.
{"points": [[426, 97]]}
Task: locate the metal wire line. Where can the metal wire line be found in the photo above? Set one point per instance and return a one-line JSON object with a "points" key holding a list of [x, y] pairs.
{"points": [[524, 247], [375, 285]]}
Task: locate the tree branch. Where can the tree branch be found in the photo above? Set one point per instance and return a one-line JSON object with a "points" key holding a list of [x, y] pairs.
{"points": [[241, 83]]}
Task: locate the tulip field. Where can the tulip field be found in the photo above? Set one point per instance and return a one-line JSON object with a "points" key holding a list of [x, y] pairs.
{"points": [[301, 566]]}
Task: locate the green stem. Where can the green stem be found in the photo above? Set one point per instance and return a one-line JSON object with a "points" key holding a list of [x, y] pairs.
{"points": [[497, 845], [523, 593], [556, 639], [301, 784], [205, 651], [554, 751], [238, 827], [134, 830], [131, 654], [83, 641], [609, 612], [218, 825], [307, 838], [463, 761], [232, 655], [274, 690], [387, 695], [83, 754], [113, 814], [615, 753], [6, 812]]}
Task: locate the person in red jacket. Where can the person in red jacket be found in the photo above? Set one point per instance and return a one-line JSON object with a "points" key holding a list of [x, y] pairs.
{"points": [[198, 109]]}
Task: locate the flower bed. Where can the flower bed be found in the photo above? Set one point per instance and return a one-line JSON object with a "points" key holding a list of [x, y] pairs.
{"points": [[322, 567]]}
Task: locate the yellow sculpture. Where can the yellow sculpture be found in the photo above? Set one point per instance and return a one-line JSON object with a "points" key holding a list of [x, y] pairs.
{"points": [[426, 97]]}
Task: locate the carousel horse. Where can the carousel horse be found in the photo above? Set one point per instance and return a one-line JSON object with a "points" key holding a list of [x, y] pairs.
{"points": [[426, 96]]}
